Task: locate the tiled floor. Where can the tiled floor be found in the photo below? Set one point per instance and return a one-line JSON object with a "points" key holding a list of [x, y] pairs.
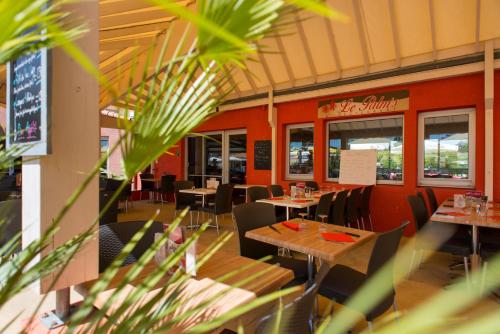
{"points": [[425, 283]]}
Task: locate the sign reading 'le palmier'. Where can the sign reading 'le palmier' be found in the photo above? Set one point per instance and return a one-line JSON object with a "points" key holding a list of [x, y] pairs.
{"points": [[365, 104]]}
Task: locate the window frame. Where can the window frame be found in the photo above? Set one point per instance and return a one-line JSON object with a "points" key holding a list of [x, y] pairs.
{"points": [[449, 183], [288, 176], [350, 120]]}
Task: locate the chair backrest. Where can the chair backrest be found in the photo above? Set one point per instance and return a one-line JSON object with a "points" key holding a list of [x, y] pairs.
{"points": [[324, 205], [224, 198], [433, 203], [384, 250], [419, 211], [313, 185], [295, 316], [111, 214], [276, 190], [115, 236], [11, 217], [365, 201], [167, 183], [250, 216], [183, 200], [255, 193], [352, 205], [422, 197], [338, 208]]}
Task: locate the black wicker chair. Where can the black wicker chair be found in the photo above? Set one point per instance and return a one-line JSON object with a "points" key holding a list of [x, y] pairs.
{"points": [[183, 200], [111, 214], [113, 238], [276, 190], [339, 208], [255, 193], [324, 207], [251, 216], [297, 316], [343, 282], [364, 210], [313, 185], [223, 203], [455, 245], [352, 213]]}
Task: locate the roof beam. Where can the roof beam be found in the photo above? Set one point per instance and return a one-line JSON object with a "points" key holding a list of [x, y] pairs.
{"points": [[361, 34], [286, 61], [134, 20], [333, 46], [307, 50], [395, 34], [433, 29], [478, 24], [267, 71], [250, 80], [231, 80]]}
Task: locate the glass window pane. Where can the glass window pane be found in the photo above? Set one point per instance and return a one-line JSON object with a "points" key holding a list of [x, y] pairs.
{"points": [[446, 147], [384, 135], [237, 158], [301, 151], [213, 155]]}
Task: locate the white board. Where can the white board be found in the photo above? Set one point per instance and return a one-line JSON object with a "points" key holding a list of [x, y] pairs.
{"points": [[358, 167]]}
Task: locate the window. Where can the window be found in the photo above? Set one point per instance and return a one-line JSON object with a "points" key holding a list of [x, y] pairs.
{"points": [[383, 134], [300, 151], [446, 148], [104, 150]]}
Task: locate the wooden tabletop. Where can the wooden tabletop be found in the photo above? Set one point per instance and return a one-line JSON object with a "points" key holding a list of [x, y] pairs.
{"points": [[218, 265], [299, 203], [309, 240], [467, 216], [199, 191], [246, 186]]}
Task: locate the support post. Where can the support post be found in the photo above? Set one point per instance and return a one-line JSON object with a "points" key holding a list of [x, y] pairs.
{"points": [[488, 117], [272, 119], [49, 181]]}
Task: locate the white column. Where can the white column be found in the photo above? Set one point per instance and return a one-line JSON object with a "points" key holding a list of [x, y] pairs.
{"points": [[488, 117], [48, 181], [272, 119]]}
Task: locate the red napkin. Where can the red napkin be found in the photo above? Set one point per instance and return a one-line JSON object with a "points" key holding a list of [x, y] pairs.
{"points": [[301, 200], [455, 214], [277, 198], [290, 225], [340, 237]]}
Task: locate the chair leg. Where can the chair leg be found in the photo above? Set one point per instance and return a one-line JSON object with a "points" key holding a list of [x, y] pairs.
{"points": [[466, 264], [483, 277], [217, 223], [370, 220], [191, 219]]}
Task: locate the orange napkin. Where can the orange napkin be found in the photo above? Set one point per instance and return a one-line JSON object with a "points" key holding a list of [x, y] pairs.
{"points": [[340, 237], [301, 200], [277, 199], [290, 225]]}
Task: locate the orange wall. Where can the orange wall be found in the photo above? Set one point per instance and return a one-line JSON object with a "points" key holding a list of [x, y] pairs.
{"points": [[254, 120], [389, 205]]}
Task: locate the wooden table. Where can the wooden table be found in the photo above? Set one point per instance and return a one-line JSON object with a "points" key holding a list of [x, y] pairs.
{"points": [[288, 203], [245, 187], [203, 192], [309, 240], [218, 265], [492, 219]]}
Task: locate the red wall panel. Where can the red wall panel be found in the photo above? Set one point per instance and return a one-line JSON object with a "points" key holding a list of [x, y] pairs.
{"points": [[389, 205]]}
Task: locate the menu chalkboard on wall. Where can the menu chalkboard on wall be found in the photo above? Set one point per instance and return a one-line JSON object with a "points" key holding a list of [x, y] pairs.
{"points": [[28, 83], [262, 154]]}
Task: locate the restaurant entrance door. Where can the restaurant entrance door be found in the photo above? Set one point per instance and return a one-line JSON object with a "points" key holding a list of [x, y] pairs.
{"points": [[220, 155]]}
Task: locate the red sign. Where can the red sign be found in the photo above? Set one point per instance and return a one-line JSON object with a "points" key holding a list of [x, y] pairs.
{"points": [[365, 104]]}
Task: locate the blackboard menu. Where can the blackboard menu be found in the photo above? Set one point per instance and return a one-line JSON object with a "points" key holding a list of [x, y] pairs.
{"points": [[262, 154], [27, 102]]}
